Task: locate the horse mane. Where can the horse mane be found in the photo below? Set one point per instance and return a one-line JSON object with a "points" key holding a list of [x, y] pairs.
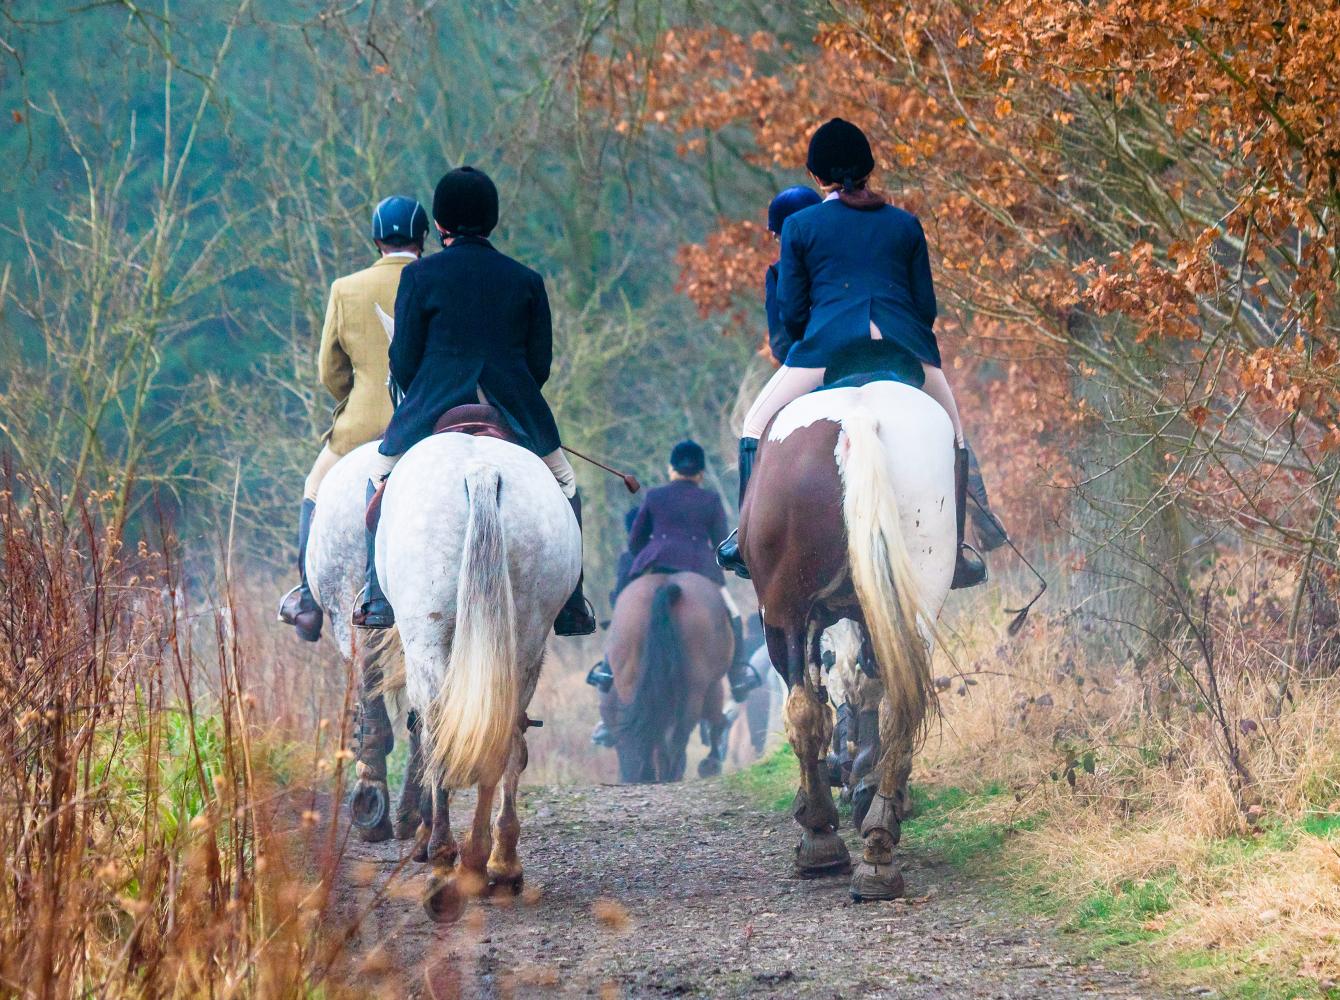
{"points": [[659, 701]]}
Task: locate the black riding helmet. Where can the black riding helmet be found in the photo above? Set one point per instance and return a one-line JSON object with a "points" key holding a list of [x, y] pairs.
{"points": [[399, 221], [687, 458], [465, 203], [840, 153]]}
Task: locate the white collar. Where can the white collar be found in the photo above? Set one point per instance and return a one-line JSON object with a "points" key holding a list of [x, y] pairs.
{"points": [[402, 253], [831, 196]]}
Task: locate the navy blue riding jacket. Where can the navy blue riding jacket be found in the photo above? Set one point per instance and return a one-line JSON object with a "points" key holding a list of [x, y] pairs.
{"points": [[779, 341], [471, 318], [843, 267]]}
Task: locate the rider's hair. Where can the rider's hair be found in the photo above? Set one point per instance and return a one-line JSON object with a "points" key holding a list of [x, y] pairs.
{"points": [[858, 194], [400, 240]]}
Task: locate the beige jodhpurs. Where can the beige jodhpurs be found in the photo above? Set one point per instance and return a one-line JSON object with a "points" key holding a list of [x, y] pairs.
{"points": [[323, 464]]}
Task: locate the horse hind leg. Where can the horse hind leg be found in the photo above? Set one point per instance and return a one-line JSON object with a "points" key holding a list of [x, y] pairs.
{"points": [[878, 875], [444, 901], [809, 726], [370, 800], [504, 866], [409, 813], [718, 732]]}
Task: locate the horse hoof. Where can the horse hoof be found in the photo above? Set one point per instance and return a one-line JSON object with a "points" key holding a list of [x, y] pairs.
{"points": [[709, 767], [875, 882], [370, 807], [443, 902], [407, 827], [821, 854], [506, 882]]}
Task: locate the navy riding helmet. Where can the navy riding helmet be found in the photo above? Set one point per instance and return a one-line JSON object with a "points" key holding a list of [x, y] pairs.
{"points": [[398, 220], [687, 458], [788, 203]]}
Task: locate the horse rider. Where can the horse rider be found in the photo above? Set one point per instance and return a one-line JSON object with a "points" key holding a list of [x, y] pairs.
{"points": [[781, 208], [471, 325], [677, 531], [853, 268], [623, 566], [353, 367]]}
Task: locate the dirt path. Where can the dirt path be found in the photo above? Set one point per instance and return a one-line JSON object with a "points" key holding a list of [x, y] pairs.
{"points": [[685, 891]]}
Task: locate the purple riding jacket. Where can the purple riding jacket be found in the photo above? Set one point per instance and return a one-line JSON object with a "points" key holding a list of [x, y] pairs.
{"points": [[678, 529]]}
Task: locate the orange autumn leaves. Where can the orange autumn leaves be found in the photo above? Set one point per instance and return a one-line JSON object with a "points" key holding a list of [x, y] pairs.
{"points": [[1133, 193]]}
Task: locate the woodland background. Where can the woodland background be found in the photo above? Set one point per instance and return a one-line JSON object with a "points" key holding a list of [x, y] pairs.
{"points": [[1132, 208]]}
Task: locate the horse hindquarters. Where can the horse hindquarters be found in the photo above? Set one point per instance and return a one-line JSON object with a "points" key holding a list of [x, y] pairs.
{"points": [[649, 747]]}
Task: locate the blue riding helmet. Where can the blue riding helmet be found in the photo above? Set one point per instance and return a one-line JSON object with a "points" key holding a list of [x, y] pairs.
{"points": [[788, 203], [399, 220], [687, 458]]}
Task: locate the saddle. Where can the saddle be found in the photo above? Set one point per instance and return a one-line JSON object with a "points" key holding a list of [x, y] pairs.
{"points": [[866, 361], [475, 419]]}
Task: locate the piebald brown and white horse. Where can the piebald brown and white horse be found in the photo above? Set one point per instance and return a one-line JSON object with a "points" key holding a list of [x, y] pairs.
{"points": [[850, 514]]}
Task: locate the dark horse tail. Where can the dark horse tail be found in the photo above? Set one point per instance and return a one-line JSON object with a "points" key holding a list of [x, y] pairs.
{"points": [[659, 704]]}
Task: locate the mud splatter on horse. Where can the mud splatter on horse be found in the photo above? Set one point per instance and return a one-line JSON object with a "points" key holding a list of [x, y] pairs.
{"points": [[850, 514], [669, 646]]}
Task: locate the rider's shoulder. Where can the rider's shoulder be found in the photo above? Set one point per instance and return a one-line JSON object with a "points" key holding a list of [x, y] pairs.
{"points": [[355, 280]]}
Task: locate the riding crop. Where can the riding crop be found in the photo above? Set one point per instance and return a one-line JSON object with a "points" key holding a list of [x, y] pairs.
{"points": [[1020, 614], [629, 480]]}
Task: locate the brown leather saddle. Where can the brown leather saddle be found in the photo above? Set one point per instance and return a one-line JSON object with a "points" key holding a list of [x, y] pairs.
{"points": [[475, 419]]}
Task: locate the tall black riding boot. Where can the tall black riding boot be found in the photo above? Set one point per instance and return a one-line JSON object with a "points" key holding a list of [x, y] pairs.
{"points": [[990, 532], [969, 570], [374, 610], [576, 618], [742, 676], [728, 552], [298, 607]]}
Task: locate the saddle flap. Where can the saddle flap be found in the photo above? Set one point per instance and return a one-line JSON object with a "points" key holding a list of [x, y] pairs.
{"points": [[476, 419]]}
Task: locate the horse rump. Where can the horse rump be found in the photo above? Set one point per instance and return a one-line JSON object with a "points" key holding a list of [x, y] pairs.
{"points": [[659, 704]]}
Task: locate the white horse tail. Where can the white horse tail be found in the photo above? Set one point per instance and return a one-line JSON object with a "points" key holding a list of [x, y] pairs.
{"points": [[882, 575], [473, 718]]}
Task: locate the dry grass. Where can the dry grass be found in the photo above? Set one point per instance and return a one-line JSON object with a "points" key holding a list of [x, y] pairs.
{"points": [[1122, 792], [159, 836]]}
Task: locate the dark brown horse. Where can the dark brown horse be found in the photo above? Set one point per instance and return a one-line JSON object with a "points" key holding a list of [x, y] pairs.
{"points": [[850, 514], [669, 645]]}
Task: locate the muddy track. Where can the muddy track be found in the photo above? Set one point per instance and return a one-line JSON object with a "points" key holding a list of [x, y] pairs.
{"points": [[686, 890]]}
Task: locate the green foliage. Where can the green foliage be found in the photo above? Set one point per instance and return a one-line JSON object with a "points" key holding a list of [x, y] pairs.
{"points": [[771, 782], [307, 117]]}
